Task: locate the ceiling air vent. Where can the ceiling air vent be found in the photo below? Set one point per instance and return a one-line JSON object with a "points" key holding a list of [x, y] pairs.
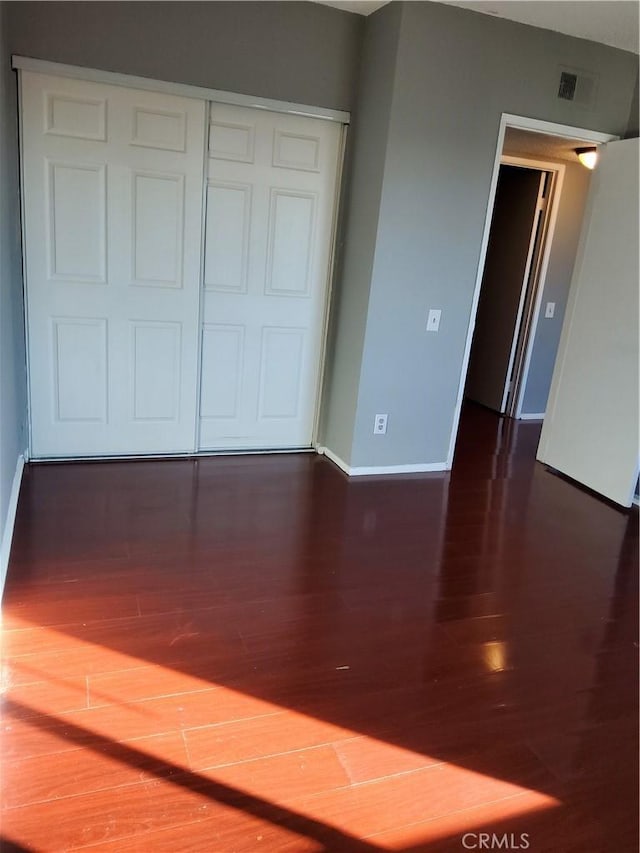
{"points": [[577, 86], [567, 87]]}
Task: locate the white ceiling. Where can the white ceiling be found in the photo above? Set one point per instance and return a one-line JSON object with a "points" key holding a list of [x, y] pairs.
{"points": [[612, 22], [524, 142], [606, 21]]}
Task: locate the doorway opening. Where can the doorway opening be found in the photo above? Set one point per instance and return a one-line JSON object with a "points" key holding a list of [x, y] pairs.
{"points": [[532, 228], [527, 193]]}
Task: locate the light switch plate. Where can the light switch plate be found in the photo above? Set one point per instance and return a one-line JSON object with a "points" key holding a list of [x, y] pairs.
{"points": [[433, 320], [550, 310]]}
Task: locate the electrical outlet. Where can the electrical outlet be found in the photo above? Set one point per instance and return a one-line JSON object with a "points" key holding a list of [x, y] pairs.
{"points": [[550, 310], [433, 320], [380, 424]]}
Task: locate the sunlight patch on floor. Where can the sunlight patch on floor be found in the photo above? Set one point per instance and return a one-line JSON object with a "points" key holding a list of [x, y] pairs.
{"points": [[345, 779]]}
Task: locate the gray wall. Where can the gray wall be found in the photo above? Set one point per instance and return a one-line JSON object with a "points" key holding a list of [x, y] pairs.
{"points": [[634, 116], [360, 207], [557, 282], [12, 357], [456, 72], [291, 51]]}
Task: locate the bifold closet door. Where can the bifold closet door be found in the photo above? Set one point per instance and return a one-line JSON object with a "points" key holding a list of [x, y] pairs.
{"points": [[269, 224], [113, 222]]}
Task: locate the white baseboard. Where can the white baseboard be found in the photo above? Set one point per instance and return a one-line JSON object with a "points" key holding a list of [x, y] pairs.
{"points": [[372, 470], [418, 468], [324, 451], [7, 536], [536, 417]]}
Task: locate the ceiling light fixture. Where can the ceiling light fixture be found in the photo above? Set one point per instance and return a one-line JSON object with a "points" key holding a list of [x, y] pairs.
{"points": [[588, 156]]}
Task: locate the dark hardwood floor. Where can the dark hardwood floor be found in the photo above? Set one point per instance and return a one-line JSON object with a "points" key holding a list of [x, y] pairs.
{"points": [[256, 653]]}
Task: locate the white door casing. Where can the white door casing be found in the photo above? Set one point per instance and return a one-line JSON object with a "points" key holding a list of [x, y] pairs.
{"points": [[112, 188], [270, 202], [591, 429]]}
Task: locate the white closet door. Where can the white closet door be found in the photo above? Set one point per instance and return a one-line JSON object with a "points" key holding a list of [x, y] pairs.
{"points": [[591, 429], [270, 205], [113, 209]]}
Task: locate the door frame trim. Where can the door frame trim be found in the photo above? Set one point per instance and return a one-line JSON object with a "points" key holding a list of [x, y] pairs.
{"points": [[185, 90], [522, 123]]}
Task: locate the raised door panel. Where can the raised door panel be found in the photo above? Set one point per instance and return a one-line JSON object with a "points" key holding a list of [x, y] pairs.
{"points": [[290, 242], [280, 363], [156, 373], [80, 385], [153, 128], [232, 141], [297, 152], [158, 228], [222, 369], [75, 117], [76, 221], [227, 237]]}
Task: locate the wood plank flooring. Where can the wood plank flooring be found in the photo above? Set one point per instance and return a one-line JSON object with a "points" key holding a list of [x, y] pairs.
{"points": [[256, 653]]}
